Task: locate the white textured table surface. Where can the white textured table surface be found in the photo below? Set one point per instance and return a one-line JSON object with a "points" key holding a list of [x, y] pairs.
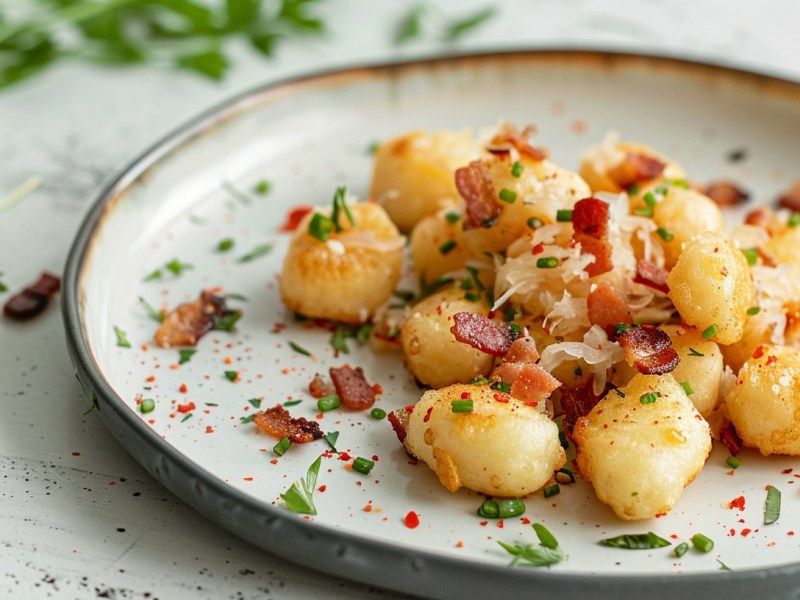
{"points": [[78, 517]]}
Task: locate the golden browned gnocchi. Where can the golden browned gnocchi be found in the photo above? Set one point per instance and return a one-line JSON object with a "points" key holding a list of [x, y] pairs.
{"points": [[700, 368], [348, 276], [712, 287], [413, 173], [764, 405], [432, 354], [436, 244], [503, 447], [641, 446]]}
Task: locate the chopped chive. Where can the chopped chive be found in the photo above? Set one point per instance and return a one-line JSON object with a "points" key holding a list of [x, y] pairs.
{"points": [[636, 541], [224, 245], [516, 329], [772, 505], [502, 508], [176, 267], [645, 211], [507, 195], [153, 275], [377, 414], [258, 251], [564, 215], [447, 246], [299, 349], [187, 417], [472, 296], [475, 279], [547, 262], [551, 490], [232, 375], [516, 169], [650, 199], [122, 340], [152, 312], [687, 387], [751, 254], [501, 386], [320, 227], [338, 338], [243, 198], [185, 355], [546, 539], [620, 328], [281, 447], [263, 187], [480, 380], [340, 206], [452, 217], [753, 310], [247, 419], [680, 183], [710, 331], [363, 332], [794, 220], [702, 543], [681, 549], [693, 352], [649, 398], [147, 405], [363, 465], [733, 462], [664, 234], [291, 402], [331, 439], [327, 403], [226, 322], [404, 295], [534, 222], [461, 406]]}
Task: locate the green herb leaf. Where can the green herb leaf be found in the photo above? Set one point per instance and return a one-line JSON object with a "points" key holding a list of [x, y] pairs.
{"points": [[122, 340], [177, 267], [547, 553], [693, 352], [263, 187], [154, 314], [258, 251], [226, 322], [772, 505], [457, 29], [211, 63], [185, 355], [410, 27], [232, 376], [247, 419], [225, 245], [299, 349], [299, 497], [292, 402], [331, 438], [636, 541], [256, 402]]}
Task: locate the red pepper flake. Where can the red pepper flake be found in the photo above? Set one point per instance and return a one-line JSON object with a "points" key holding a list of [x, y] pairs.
{"points": [[465, 395], [274, 461], [322, 488], [787, 471], [732, 532], [484, 523], [758, 352], [502, 398], [525, 521], [459, 544], [294, 216], [209, 429], [367, 508], [375, 457], [532, 404], [790, 533], [412, 520], [771, 360], [427, 416], [151, 379], [746, 531], [344, 456], [185, 408], [537, 249], [500, 524], [76, 454], [248, 478]]}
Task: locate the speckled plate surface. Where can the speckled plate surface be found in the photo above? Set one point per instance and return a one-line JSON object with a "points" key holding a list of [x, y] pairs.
{"points": [[196, 188]]}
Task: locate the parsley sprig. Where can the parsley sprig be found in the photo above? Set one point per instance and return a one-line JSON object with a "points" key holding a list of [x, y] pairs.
{"points": [[185, 34], [547, 553], [299, 497]]}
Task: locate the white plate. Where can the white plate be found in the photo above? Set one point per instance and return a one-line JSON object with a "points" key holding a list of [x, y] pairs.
{"points": [[306, 137]]}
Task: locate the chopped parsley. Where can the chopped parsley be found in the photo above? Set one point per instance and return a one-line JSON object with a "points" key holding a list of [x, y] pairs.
{"points": [[122, 340], [232, 376], [225, 245], [185, 355], [516, 169], [331, 439], [547, 553], [447, 246], [299, 497], [693, 352], [649, 398], [772, 505], [154, 314], [262, 187], [457, 29]]}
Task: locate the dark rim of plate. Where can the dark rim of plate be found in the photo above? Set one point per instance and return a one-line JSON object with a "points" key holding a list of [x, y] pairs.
{"points": [[323, 548]]}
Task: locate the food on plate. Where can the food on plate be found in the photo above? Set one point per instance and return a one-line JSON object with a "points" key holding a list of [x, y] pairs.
{"points": [[641, 445], [186, 324], [614, 299], [413, 173], [342, 263], [501, 447]]}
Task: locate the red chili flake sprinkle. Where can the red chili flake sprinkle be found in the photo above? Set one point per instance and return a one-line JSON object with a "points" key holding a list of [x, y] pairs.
{"points": [[367, 508], [746, 531], [274, 461], [537, 249], [322, 488], [76, 454], [465, 395], [532, 404], [790, 533], [525, 521], [209, 429], [459, 544], [758, 352], [674, 536], [185, 408], [503, 398], [427, 416], [787, 471], [375, 457], [344, 456], [500, 524], [183, 389], [732, 532], [151, 378], [248, 478], [412, 520], [484, 523]]}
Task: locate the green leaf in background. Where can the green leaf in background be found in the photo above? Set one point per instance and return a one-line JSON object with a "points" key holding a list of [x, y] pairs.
{"points": [[457, 29], [410, 27], [210, 62]]}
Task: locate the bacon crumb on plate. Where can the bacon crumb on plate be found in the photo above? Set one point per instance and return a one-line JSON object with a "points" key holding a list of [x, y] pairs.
{"points": [[482, 333], [278, 423], [352, 387], [649, 350]]}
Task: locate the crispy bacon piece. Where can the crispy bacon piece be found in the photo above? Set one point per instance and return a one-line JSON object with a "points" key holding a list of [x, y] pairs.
{"points": [[636, 168], [529, 382], [577, 402], [320, 386], [590, 225], [726, 193], [185, 325], [522, 349], [482, 333], [649, 350], [278, 423], [31, 301], [760, 217], [475, 186], [731, 439], [518, 139], [352, 388], [791, 198], [399, 421], [651, 275], [607, 308]]}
